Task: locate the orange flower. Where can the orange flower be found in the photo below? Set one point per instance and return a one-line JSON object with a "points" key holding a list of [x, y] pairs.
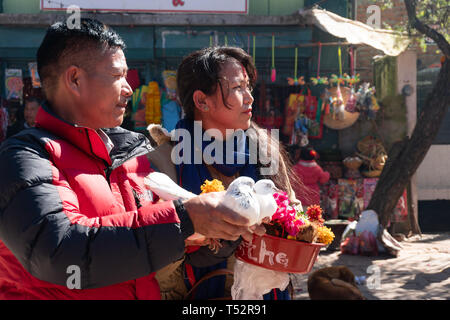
{"points": [[212, 186]]}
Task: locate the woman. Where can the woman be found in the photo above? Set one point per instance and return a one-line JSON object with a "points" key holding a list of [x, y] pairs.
{"points": [[214, 87]]}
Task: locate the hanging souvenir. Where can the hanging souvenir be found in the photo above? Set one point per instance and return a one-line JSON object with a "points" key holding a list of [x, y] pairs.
{"points": [[273, 74], [310, 105], [326, 99], [291, 111], [366, 103], [337, 117], [354, 78], [344, 80], [35, 80], [302, 124], [312, 114], [338, 80], [13, 84], [350, 106], [318, 79], [139, 101], [296, 81], [337, 105], [316, 127], [170, 83], [153, 104], [340, 61]]}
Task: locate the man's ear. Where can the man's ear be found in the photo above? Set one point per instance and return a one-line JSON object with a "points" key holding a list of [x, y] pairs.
{"points": [[200, 101], [72, 80]]}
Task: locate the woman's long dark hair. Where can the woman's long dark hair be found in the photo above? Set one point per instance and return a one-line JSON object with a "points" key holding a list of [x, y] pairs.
{"points": [[200, 71]]}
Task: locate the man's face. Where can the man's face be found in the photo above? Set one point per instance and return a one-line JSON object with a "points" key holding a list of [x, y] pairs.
{"points": [[30, 111], [105, 92]]}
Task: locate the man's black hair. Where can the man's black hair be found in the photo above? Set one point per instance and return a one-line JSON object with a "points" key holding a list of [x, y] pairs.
{"points": [[64, 46], [32, 99]]}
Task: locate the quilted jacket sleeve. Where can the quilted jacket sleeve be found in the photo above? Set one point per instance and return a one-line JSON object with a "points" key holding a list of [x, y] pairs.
{"points": [[47, 236], [324, 176]]}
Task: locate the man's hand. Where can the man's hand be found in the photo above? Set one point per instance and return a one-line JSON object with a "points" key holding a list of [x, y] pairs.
{"points": [[213, 219]]}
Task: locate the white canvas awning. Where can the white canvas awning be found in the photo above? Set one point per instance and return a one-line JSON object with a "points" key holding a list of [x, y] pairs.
{"points": [[390, 42]]}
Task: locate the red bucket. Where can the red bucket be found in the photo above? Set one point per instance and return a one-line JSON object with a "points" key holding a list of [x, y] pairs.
{"points": [[279, 254]]}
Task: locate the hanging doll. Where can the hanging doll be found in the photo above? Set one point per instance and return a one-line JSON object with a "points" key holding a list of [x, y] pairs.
{"points": [[338, 105], [350, 106]]}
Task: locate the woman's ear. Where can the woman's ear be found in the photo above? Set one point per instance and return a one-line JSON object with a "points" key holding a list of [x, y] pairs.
{"points": [[200, 102]]}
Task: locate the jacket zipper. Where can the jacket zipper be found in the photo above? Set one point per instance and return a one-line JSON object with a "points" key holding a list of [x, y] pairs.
{"points": [[108, 169]]}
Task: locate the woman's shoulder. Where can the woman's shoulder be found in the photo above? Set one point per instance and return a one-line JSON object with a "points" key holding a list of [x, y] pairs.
{"points": [[160, 156]]}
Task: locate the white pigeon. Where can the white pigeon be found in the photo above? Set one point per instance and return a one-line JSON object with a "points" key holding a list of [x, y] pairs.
{"points": [[241, 198], [264, 190], [166, 188]]}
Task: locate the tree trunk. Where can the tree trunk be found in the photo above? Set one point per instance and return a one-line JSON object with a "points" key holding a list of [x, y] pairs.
{"points": [[405, 157]]}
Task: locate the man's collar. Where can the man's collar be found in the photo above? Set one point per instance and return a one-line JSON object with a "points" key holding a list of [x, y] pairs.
{"points": [[86, 139], [108, 142]]}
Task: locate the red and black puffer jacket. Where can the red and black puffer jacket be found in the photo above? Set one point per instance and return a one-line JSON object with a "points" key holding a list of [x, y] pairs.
{"points": [[69, 208]]}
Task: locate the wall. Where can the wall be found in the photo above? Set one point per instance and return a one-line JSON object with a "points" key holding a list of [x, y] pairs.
{"points": [[434, 174], [21, 6], [274, 7]]}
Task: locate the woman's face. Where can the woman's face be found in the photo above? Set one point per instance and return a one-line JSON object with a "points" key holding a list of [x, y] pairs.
{"points": [[235, 90]]}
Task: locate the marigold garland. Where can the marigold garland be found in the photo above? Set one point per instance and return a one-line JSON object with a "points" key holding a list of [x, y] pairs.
{"points": [[325, 235], [212, 186]]}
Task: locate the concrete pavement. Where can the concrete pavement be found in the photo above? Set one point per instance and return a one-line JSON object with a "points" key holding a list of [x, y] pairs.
{"points": [[420, 272]]}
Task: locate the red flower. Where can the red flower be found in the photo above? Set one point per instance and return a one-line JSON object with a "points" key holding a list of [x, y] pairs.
{"points": [[286, 215], [314, 213]]}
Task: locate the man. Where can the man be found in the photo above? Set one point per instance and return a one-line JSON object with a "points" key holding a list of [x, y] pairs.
{"points": [[76, 221], [16, 119], [30, 111], [24, 118]]}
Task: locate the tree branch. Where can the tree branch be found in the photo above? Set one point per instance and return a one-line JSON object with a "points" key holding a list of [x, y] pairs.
{"points": [[438, 38]]}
